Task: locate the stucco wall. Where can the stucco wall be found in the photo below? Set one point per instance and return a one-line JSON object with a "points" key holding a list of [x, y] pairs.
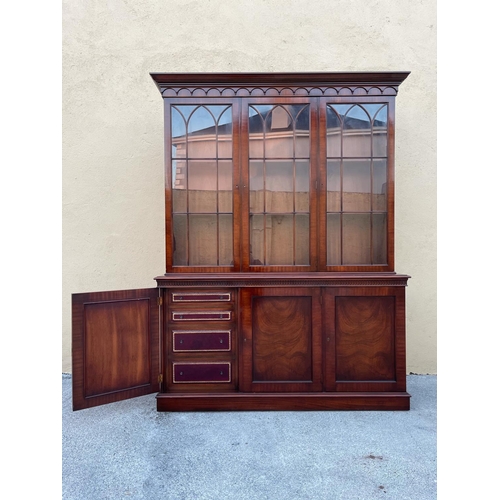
{"points": [[113, 206]]}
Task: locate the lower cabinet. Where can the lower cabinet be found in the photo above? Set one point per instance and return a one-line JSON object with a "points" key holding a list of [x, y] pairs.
{"points": [[313, 343]]}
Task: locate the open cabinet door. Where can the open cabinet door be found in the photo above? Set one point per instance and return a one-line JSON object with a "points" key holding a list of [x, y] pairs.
{"points": [[115, 346]]}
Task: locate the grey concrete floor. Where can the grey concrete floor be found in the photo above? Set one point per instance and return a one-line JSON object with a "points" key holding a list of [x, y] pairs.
{"points": [[128, 450]]}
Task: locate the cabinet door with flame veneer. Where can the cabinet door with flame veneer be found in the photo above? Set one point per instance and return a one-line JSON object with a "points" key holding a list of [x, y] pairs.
{"points": [[281, 340], [364, 339]]}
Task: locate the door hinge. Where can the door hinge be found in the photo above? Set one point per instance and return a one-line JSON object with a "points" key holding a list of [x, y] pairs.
{"points": [[160, 301], [160, 378]]}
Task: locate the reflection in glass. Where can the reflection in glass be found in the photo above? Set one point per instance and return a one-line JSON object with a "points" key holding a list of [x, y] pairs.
{"points": [[333, 132], [356, 239], [179, 194], [225, 240], [180, 240], [333, 257], [379, 185], [356, 186], [202, 240], [333, 186], [224, 133], [279, 240], [279, 186], [302, 186], [357, 133], [280, 131], [202, 178], [380, 132], [379, 238], [202, 186], [356, 194], [257, 236], [225, 186], [301, 240], [256, 186]]}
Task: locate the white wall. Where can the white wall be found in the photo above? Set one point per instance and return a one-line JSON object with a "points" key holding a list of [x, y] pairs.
{"points": [[113, 200]]}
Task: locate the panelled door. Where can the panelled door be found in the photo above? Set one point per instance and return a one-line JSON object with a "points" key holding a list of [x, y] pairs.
{"points": [[364, 339], [281, 340], [115, 347]]}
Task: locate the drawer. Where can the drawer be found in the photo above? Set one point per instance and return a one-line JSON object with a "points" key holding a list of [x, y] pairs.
{"points": [[192, 373], [187, 297], [207, 315], [201, 340]]}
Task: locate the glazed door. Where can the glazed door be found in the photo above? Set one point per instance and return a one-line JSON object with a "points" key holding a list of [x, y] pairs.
{"points": [[115, 346], [281, 340], [364, 339]]}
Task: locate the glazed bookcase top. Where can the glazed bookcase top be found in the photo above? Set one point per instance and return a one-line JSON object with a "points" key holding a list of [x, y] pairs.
{"points": [[279, 172]]}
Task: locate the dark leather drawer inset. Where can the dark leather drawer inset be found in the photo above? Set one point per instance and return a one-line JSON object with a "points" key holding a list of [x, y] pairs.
{"points": [[201, 372], [179, 297], [202, 315], [201, 340]]}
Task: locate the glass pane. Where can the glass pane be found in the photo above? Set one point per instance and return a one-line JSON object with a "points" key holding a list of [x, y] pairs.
{"points": [[380, 132], [302, 186], [380, 185], [202, 184], [256, 186], [224, 131], [356, 239], [225, 240], [202, 240], [357, 133], [179, 193], [279, 137], [279, 239], [202, 134], [279, 186], [379, 238], [256, 240], [179, 223], [302, 239], [178, 133], [301, 114], [333, 186], [280, 131], [356, 185], [333, 133], [225, 186], [333, 240], [256, 129]]}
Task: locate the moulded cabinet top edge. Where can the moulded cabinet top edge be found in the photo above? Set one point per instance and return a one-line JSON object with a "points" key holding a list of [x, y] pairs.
{"points": [[293, 79]]}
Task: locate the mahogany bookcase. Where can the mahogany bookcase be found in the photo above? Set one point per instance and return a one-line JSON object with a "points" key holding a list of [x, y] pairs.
{"points": [[280, 291]]}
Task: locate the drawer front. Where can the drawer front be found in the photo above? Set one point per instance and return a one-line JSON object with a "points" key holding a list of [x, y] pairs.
{"points": [[192, 373], [208, 315], [201, 340], [189, 297]]}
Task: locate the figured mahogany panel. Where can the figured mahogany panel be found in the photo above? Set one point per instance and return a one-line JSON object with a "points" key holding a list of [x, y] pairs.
{"points": [[115, 346], [280, 340], [364, 338], [282, 344]]}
